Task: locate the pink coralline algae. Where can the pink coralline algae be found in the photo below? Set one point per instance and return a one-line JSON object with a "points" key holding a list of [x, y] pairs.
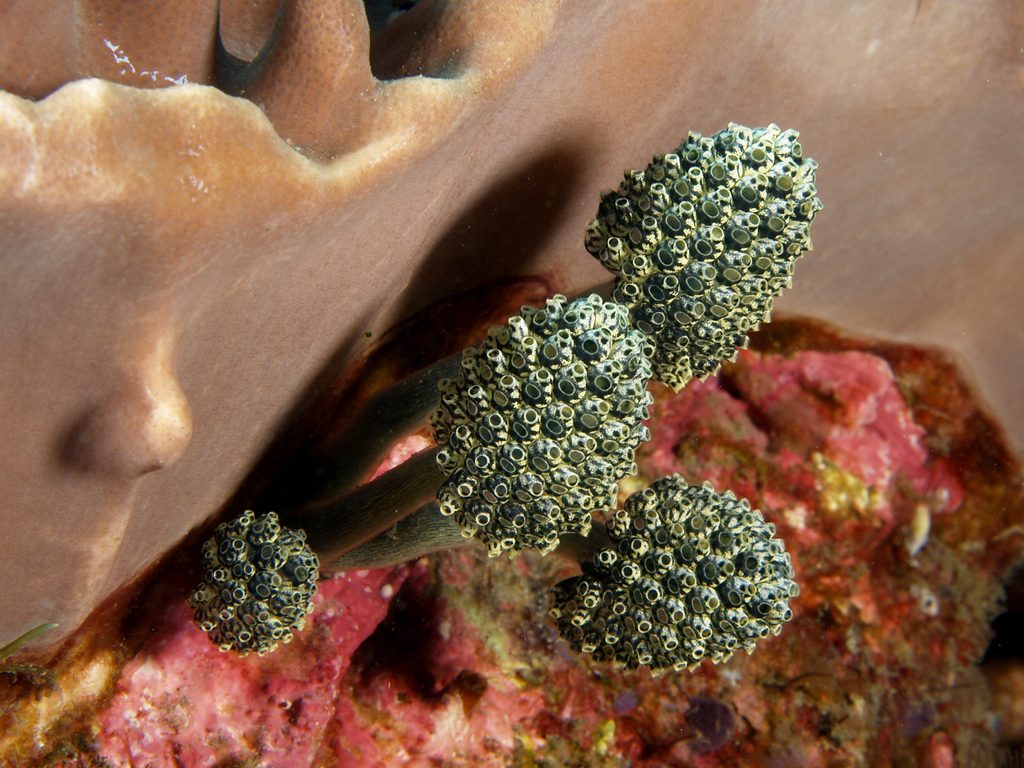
{"points": [[182, 702], [843, 411], [453, 661]]}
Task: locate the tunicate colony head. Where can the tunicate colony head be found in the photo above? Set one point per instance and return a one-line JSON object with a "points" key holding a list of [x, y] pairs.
{"points": [[703, 240], [541, 423], [692, 575], [258, 584]]}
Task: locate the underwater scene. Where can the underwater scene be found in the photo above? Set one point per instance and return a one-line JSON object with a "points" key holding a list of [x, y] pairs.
{"points": [[539, 384]]}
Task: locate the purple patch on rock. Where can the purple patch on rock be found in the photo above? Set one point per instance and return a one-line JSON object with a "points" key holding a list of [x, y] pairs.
{"points": [[917, 719], [625, 702], [713, 723]]}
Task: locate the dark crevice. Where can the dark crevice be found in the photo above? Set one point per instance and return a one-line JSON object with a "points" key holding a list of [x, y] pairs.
{"points": [[380, 12], [416, 40], [728, 383], [403, 646], [244, 46], [1004, 653], [404, 649], [246, 40], [1008, 643]]}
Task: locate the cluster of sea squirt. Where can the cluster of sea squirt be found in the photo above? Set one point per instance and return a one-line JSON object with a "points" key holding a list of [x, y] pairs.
{"points": [[258, 584], [703, 239], [691, 575], [543, 417], [541, 423]]}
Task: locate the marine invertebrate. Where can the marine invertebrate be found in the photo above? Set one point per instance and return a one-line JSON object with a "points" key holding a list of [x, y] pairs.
{"points": [[541, 420], [541, 423], [542, 417], [703, 238], [259, 576], [537, 428], [258, 584], [690, 574]]}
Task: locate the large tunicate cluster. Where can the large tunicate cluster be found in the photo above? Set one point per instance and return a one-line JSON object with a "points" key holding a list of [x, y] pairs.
{"points": [[258, 584], [692, 575], [541, 423], [703, 239]]}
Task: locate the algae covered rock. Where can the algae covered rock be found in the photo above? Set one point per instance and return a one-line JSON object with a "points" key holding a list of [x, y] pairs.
{"points": [[703, 239], [541, 423], [692, 575]]}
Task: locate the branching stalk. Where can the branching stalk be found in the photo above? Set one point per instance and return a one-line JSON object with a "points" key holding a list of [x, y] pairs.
{"points": [[335, 528]]}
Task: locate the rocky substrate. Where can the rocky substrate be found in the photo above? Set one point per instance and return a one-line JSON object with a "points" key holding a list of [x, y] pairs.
{"points": [[894, 495]]}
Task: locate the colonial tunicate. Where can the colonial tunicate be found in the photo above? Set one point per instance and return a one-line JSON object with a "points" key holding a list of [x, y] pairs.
{"points": [[258, 584], [692, 575], [541, 423], [704, 239]]}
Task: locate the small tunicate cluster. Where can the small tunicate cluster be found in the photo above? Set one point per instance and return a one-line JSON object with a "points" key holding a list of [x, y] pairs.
{"points": [[258, 584], [692, 575], [541, 423], [704, 239]]}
